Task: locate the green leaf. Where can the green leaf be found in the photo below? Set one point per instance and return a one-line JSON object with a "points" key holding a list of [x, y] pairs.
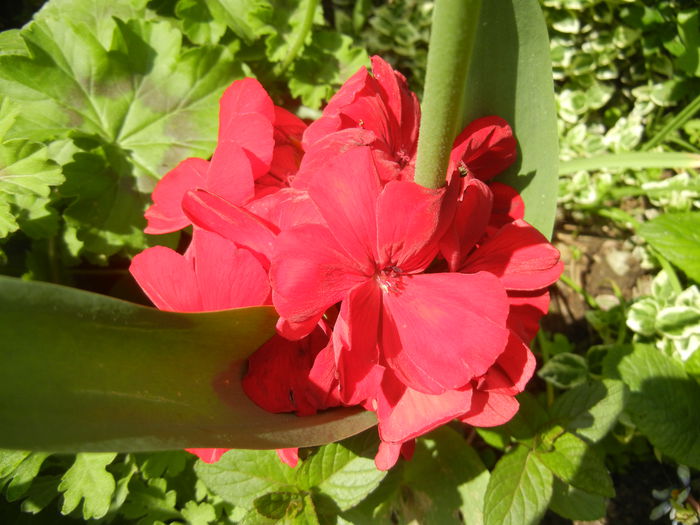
{"points": [[446, 475], [575, 462], [638, 160], [575, 504], [511, 76], [327, 62], [246, 18], [519, 490], [198, 23], [280, 505], [290, 28], [141, 93], [590, 410], [24, 475], [344, 471], [565, 370], [153, 502], [26, 173], [110, 375], [243, 476], [198, 513], [662, 402], [530, 418], [679, 321], [88, 480], [106, 211], [677, 237]]}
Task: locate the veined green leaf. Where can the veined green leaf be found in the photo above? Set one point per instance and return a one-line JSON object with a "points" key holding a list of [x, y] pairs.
{"points": [[576, 504], [511, 76], [677, 237], [84, 372], [518, 491], [662, 402]]}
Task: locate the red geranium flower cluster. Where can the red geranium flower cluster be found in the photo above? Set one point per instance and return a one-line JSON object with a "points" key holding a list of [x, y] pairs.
{"points": [[414, 303]]}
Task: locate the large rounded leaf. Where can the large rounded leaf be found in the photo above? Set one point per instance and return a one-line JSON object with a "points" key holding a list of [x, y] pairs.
{"points": [[84, 372]]}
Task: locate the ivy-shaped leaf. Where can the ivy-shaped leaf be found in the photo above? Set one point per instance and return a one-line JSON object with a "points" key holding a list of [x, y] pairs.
{"points": [[88, 480]]}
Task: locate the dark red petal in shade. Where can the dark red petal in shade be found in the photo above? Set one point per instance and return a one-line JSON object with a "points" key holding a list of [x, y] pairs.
{"points": [[230, 175], [227, 276], [211, 212], [277, 374], [324, 390], [346, 196], [208, 455], [166, 214], [519, 255], [486, 146], [508, 205], [167, 278], [491, 409], [526, 310], [355, 344], [310, 272], [288, 152], [288, 456], [405, 413], [409, 225], [469, 224], [512, 370], [439, 331]]}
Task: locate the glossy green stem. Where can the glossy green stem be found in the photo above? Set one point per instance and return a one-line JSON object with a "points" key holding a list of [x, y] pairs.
{"points": [[452, 39]]}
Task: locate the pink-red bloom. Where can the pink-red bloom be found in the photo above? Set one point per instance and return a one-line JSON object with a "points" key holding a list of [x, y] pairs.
{"points": [[416, 304]]}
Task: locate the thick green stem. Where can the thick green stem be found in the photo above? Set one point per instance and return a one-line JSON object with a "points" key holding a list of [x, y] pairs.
{"points": [[451, 43]]}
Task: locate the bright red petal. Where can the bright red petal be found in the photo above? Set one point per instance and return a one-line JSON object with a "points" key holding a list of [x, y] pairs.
{"points": [[167, 278], [491, 409], [519, 255], [355, 344], [230, 175], [310, 272], [387, 455], [208, 455], [288, 456], [409, 225], [227, 276], [441, 330], [212, 213], [346, 196], [166, 214], [411, 413], [512, 370]]}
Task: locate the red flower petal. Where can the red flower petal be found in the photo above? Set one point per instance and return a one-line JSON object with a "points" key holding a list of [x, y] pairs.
{"points": [[208, 455], [227, 277], [409, 225], [526, 310], [441, 330], [512, 370], [230, 175], [288, 456], [167, 278], [486, 146], [405, 413], [355, 344], [346, 196], [491, 409], [519, 255], [212, 213], [309, 273], [166, 214]]}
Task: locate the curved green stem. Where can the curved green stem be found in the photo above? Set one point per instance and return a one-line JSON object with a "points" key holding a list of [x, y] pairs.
{"points": [[451, 43], [300, 36]]}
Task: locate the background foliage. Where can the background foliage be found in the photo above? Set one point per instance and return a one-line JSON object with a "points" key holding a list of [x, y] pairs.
{"points": [[98, 100]]}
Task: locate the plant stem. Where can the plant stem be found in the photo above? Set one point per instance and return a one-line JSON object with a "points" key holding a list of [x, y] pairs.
{"points": [[673, 124], [452, 39], [300, 36]]}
